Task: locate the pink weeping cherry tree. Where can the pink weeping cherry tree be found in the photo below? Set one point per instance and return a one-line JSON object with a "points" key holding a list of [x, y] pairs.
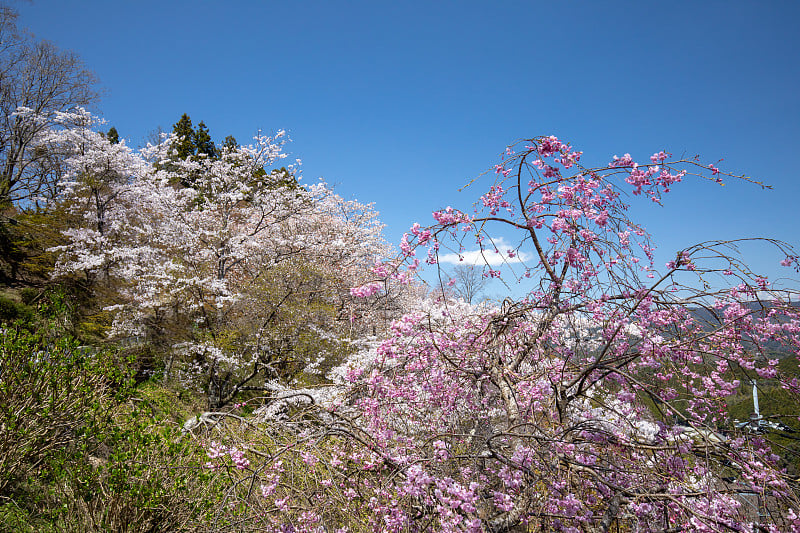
{"points": [[596, 400]]}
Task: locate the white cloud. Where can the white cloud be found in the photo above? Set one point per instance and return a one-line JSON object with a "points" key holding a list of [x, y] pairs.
{"points": [[488, 256]]}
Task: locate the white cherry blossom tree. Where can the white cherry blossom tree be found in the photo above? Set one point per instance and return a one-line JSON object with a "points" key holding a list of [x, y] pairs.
{"points": [[245, 273]]}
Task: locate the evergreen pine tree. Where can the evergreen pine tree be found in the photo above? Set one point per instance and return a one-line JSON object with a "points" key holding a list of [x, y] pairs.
{"points": [[230, 143], [203, 143], [185, 144]]}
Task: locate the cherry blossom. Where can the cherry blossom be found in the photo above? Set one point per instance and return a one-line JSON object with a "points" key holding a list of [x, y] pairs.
{"points": [[597, 398]]}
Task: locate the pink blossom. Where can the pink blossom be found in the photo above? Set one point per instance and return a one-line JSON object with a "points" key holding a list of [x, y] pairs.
{"points": [[365, 291], [624, 161], [659, 157]]}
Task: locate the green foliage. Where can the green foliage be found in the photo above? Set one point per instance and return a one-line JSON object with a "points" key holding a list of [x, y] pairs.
{"points": [[56, 313], [137, 472], [11, 254], [192, 144], [775, 405], [230, 143], [24, 244], [184, 145], [94, 327], [16, 519], [113, 135], [28, 295], [203, 143], [283, 178], [82, 448], [49, 390], [290, 314], [11, 310]]}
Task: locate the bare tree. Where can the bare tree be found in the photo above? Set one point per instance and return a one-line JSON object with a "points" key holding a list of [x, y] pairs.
{"points": [[37, 80], [468, 281]]}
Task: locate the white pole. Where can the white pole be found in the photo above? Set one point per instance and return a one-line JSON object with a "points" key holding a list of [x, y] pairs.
{"points": [[755, 399]]}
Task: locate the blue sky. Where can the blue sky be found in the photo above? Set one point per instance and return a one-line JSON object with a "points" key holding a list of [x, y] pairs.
{"points": [[401, 103]]}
